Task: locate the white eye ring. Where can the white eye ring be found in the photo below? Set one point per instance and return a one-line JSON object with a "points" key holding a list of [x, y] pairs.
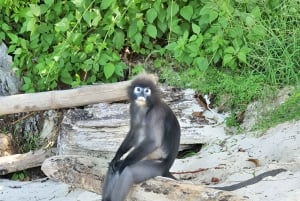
{"points": [[147, 91], [137, 90]]}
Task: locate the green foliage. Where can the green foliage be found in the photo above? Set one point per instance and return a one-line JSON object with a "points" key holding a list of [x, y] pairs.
{"points": [[278, 54], [19, 176], [228, 48], [71, 43], [287, 111], [62, 43]]}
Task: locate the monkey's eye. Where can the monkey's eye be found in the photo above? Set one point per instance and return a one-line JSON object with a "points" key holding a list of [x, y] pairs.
{"points": [[147, 91], [137, 90]]}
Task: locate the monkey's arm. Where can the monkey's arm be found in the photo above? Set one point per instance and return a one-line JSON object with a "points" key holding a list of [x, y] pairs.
{"points": [[137, 154], [124, 147], [154, 132]]}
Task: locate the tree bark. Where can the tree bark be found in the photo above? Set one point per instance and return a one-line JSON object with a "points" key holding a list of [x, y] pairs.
{"points": [[18, 162], [88, 173], [98, 130]]}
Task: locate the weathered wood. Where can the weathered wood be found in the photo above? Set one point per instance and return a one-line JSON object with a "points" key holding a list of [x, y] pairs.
{"points": [[18, 162], [99, 129], [6, 145], [64, 98], [88, 173]]}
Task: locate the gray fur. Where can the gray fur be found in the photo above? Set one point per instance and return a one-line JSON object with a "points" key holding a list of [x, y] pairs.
{"points": [[151, 144]]}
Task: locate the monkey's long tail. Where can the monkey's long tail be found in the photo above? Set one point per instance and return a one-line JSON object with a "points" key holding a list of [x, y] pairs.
{"points": [[251, 181]]}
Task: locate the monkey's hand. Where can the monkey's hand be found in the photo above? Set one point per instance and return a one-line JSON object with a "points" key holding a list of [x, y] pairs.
{"points": [[116, 165]]}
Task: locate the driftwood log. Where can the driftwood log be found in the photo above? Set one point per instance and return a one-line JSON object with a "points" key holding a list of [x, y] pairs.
{"points": [[63, 98], [99, 129], [18, 162], [88, 173]]}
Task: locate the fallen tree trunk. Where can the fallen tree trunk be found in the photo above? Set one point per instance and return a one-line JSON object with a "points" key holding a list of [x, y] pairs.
{"points": [[88, 173], [98, 130], [18, 162], [63, 98]]}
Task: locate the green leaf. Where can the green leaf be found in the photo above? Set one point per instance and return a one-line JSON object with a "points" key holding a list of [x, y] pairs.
{"points": [[138, 38], [87, 16], [78, 3], [250, 21], [31, 25], [187, 12], [35, 10], [63, 25], [242, 57], [119, 69], [235, 32], [229, 50], [103, 59], [109, 70], [75, 37], [151, 31], [49, 2], [11, 48], [118, 39], [18, 51], [27, 80], [195, 28], [88, 47], [96, 19], [132, 30], [212, 16], [2, 36], [201, 63], [140, 25], [66, 77], [21, 176], [162, 26], [27, 86], [172, 10], [161, 16], [242, 54], [151, 15], [259, 30], [15, 177], [227, 58], [13, 37], [5, 27], [105, 4]]}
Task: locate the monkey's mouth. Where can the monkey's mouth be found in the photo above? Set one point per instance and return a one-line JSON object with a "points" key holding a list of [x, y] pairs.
{"points": [[140, 101]]}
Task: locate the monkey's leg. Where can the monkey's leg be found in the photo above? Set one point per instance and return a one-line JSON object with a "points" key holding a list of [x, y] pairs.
{"points": [[134, 174], [109, 184]]}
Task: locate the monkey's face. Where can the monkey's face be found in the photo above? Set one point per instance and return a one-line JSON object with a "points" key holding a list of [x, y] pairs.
{"points": [[141, 95], [143, 92]]}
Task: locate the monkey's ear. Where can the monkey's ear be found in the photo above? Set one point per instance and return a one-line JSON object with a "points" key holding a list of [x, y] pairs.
{"points": [[147, 76]]}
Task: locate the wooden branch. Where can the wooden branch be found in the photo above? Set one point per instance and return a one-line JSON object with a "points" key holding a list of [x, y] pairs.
{"points": [[18, 162], [64, 98], [88, 173]]}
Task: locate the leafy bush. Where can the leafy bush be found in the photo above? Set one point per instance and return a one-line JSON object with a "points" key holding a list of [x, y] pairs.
{"points": [[63, 42], [233, 47], [79, 42]]}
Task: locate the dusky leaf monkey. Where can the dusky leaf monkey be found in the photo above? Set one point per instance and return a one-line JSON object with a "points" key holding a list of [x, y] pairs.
{"points": [[151, 144]]}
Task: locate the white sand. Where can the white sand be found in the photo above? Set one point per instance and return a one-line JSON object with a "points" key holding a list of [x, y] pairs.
{"points": [[278, 148]]}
